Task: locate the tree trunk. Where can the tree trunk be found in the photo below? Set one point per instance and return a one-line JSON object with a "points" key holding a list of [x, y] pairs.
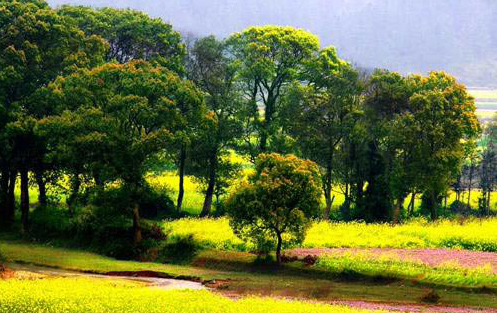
{"points": [[4, 195], [137, 230], [75, 186], [433, 205], [98, 180], [42, 196], [11, 201], [396, 210], [445, 202], [24, 201], [269, 113], [329, 203], [411, 204], [263, 143], [488, 201], [327, 192], [206, 210], [278, 249], [181, 193], [471, 170]]}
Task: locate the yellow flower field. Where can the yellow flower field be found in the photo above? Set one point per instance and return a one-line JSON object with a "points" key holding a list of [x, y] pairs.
{"points": [[474, 234], [74, 295]]}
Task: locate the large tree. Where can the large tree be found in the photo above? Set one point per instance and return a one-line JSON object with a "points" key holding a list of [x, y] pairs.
{"points": [[320, 114], [211, 69], [443, 121], [117, 117], [36, 45], [269, 58], [419, 129]]}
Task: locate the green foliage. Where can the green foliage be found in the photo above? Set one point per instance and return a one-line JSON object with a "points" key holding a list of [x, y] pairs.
{"points": [[211, 70], [179, 250], [116, 118], [323, 113], [131, 34], [268, 59], [103, 224], [50, 222], [36, 45], [280, 199]]}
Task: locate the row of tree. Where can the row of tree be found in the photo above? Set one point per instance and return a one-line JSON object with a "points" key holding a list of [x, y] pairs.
{"points": [[104, 95]]}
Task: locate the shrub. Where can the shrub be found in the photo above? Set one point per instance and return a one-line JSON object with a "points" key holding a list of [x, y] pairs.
{"points": [[179, 250], [460, 207], [50, 222], [105, 225]]}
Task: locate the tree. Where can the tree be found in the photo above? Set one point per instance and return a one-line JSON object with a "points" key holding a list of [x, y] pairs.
{"points": [[386, 98], [134, 35], [322, 113], [131, 35], [117, 117], [280, 199], [269, 58], [444, 123], [210, 69], [488, 167], [36, 45]]}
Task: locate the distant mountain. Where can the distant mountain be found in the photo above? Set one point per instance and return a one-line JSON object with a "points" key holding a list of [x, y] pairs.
{"points": [[405, 35]]}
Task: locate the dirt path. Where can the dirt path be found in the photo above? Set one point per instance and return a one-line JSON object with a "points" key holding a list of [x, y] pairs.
{"points": [[25, 270], [413, 307], [433, 257]]}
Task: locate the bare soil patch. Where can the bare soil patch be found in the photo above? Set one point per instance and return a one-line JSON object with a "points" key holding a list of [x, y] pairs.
{"points": [[5, 272]]}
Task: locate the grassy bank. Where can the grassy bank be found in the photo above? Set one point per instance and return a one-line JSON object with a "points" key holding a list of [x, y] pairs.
{"points": [[364, 264]]}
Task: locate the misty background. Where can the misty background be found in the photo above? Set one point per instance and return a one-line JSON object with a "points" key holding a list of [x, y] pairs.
{"points": [[458, 36]]}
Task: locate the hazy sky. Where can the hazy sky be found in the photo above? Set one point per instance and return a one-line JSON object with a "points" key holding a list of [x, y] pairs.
{"points": [[407, 35]]}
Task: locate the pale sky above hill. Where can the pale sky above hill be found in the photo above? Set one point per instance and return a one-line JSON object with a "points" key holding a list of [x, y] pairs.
{"points": [[410, 36]]}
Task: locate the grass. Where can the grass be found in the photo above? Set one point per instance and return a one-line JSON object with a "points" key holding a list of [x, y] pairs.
{"points": [[475, 234], [84, 261], [389, 266], [92, 296]]}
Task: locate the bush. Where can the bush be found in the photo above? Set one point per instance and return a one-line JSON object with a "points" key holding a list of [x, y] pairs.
{"points": [[49, 222], [219, 209], [459, 207], [105, 224], [155, 203], [179, 250]]}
